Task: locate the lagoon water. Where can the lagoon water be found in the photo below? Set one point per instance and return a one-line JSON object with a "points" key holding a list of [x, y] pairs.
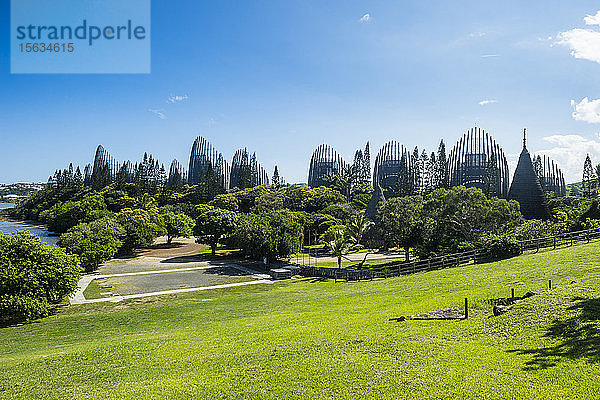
{"points": [[13, 226]]}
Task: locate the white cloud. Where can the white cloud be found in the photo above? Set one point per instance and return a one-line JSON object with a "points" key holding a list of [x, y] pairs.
{"points": [[489, 55], [176, 99], [484, 102], [159, 113], [592, 19], [477, 34], [584, 43], [569, 152], [586, 110], [365, 18]]}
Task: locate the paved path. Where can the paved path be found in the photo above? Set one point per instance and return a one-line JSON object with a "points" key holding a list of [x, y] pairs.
{"points": [[79, 298]]}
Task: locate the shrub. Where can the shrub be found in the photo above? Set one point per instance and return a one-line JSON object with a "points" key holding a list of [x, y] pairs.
{"points": [[498, 247], [178, 225], [271, 235], [95, 242], [213, 226], [535, 228], [15, 309], [33, 275], [141, 228]]}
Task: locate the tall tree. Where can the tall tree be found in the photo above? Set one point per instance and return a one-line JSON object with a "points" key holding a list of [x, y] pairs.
{"points": [[491, 179], [275, 180], [253, 171], [442, 175], [403, 186], [423, 163], [402, 221], [538, 168], [431, 173], [589, 178], [214, 225], [245, 174], [101, 177], [367, 162], [416, 171], [78, 178]]}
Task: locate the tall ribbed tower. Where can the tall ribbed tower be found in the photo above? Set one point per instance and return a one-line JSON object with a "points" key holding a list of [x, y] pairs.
{"points": [[526, 188]]}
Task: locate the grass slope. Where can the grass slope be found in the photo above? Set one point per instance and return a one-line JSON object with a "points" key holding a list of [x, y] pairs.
{"points": [[317, 339]]}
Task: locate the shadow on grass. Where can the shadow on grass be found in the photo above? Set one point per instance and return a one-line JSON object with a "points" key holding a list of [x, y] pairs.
{"points": [[223, 256], [225, 270], [579, 338]]}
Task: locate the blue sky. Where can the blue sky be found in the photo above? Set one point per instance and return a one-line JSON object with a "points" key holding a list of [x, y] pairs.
{"points": [[282, 77]]}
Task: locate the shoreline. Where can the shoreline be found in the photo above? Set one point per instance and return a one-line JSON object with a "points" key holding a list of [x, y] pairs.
{"points": [[29, 223]]}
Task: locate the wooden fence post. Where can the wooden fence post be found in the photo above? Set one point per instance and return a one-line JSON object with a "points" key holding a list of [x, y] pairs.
{"points": [[512, 293], [466, 308], [549, 283]]}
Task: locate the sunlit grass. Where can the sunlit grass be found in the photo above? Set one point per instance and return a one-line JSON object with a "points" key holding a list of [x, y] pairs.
{"points": [[309, 338]]}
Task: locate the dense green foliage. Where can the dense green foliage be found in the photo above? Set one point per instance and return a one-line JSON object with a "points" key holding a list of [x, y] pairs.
{"points": [[272, 235], [94, 242], [142, 227], [422, 215], [32, 277], [215, 225], [403, 222], [499, 247], [338, 242], [445, 220], [535, 228], [178, 225]]}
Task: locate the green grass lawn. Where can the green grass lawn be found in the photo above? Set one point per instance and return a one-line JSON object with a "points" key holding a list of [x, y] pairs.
{"points": [[309, 338], [94, 291]]}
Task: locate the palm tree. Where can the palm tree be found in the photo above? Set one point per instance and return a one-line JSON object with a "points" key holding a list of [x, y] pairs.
{"points": [[358, 226], [339, 245]]}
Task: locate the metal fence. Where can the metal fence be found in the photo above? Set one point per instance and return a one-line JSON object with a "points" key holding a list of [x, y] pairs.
{"points": [[450, 260]]}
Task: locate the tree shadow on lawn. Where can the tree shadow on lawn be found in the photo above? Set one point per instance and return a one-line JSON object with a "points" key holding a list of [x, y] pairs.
{"points": [[579, 337], [218, 258], [226, 270]]}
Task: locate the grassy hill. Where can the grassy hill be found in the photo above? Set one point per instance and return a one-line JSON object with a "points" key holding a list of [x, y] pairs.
{"points": [[316, 339]]}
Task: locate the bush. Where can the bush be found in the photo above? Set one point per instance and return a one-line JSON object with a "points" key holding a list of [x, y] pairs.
{"points": [[535, 228], [63, 216], [142, 228], [178, 225], [213, 226], [33, 275], [499, 247], [95, 242], [15, 309], [339, 211], [272, 235]]}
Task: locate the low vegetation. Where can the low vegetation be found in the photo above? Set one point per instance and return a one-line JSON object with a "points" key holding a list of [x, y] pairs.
{"points": [[33, 277]]}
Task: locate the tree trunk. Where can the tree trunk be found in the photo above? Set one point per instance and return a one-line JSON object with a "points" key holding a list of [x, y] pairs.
{"points": [[406, 254], [339, 262], [213, 248], [169, 239]]}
